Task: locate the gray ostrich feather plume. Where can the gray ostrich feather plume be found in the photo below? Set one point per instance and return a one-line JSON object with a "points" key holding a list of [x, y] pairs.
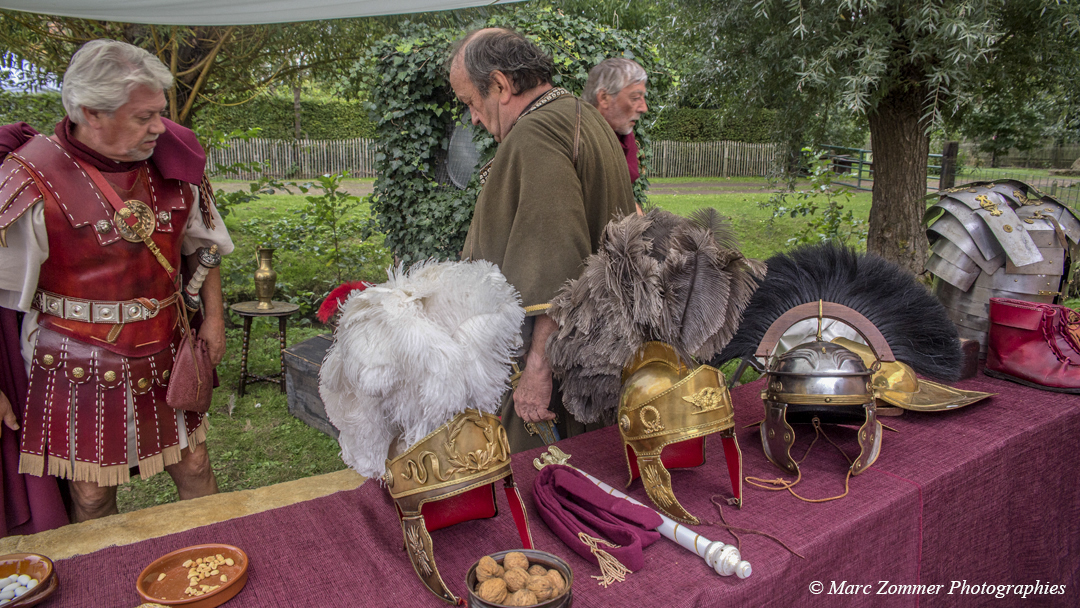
{"points": [[658, 277]]}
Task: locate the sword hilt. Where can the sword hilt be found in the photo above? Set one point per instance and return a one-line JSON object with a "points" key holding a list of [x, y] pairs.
{"points": [[209, 258]]}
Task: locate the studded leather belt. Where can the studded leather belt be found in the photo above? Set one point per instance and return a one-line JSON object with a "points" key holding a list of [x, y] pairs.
{"points": [[100, 311]]}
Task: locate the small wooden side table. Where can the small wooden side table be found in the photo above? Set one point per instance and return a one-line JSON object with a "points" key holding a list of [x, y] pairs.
{"points": [[250, 310]]}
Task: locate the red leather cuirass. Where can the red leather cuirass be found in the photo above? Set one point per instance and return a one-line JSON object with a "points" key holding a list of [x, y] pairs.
{"points": [[86, 263]]}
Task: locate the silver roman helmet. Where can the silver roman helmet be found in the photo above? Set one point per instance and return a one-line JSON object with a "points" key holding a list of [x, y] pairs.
{"points": [[820, 382]]}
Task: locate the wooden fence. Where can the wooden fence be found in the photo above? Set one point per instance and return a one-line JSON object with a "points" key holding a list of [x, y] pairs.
{"points": [[1045, 157], [308, 158], [300, 159], [712, 159]]}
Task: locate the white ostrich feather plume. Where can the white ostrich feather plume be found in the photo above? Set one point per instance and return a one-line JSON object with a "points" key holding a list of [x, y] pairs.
{"points": [[411, 353]]}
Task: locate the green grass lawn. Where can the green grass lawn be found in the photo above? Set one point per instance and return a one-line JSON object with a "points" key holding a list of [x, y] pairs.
{"points": [[978, 173], [253, 440], [758, 237], [354, 182], [717, 181]]}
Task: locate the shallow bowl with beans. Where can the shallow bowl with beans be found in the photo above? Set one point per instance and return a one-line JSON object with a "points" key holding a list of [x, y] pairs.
{"points": [[30, 567], [201, 576]]}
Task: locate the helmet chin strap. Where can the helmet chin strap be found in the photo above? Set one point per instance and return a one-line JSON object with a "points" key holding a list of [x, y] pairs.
{"points": [[780, 484]]}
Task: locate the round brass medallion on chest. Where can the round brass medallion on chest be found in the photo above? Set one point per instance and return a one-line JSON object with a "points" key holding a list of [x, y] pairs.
{"points": [[110, 376], [48, 359], [78, 372], [146, 222], [143, 383]]}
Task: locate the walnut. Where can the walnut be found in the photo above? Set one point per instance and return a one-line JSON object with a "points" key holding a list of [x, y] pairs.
{"points": [[488, 568], [516, 579], [492, 590], [557, 580], [537, 570], [522, 598], [515, 560], [542, 586]]}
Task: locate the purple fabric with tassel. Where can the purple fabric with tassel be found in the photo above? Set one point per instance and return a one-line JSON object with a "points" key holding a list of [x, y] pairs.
{"points": [[569, 503]]}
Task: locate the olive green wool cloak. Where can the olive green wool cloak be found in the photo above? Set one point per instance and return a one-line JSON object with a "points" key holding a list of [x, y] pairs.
{"points": [[540, 214], [542, 211]]}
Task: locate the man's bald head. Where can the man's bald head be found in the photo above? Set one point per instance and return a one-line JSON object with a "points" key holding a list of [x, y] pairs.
{"points": [[483, 52]]}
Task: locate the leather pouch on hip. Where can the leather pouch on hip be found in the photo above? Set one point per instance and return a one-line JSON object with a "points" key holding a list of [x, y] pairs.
{"points": [[191, 384]]}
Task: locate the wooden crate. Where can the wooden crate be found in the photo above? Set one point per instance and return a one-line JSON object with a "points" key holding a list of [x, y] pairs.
{"points": [[302, 363]]}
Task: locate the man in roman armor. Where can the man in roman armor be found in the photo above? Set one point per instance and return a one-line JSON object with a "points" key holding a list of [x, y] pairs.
{"points": [[97, 223], [558, 177]]}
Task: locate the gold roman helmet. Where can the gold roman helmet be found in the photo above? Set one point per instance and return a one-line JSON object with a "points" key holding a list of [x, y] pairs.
{"points": [[457, 463], [665, 412]]}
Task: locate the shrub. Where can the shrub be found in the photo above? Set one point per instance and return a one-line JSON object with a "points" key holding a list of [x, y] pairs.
{"points": [[40, 110], [833, 224], [319, 118], [318, 245], [696, 124]]}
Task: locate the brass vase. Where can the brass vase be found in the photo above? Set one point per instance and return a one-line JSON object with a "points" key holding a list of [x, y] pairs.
{"points": [[265, 278]]}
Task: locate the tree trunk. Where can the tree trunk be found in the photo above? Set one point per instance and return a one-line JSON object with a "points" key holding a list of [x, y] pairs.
{"points": [[901, 148]]}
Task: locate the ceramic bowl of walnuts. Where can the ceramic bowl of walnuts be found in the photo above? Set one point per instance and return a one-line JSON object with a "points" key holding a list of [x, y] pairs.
{"points": [[524, 577]]}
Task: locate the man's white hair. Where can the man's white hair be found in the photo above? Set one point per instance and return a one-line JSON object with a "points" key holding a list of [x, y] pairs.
{"points": [[612, 75], [103, 73]]}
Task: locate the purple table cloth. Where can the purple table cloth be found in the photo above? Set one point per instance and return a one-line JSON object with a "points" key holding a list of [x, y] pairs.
{"points": [[987, 495]]}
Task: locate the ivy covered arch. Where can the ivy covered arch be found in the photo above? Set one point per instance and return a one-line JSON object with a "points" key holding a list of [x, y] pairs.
{"points": [[414, 111]]}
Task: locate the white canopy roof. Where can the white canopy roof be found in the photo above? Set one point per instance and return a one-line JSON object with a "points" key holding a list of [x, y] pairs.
{"points": [[233, 12]]}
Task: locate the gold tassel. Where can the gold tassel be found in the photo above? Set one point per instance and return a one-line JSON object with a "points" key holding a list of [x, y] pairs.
{"points": [[611, 570]]}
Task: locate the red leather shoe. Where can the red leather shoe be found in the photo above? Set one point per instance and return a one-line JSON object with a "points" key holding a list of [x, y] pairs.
{"points": [[1034, 344]]}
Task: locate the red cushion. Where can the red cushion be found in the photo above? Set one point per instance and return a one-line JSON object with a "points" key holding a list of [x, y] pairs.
{"points": [[682, 455], [478, 503]]}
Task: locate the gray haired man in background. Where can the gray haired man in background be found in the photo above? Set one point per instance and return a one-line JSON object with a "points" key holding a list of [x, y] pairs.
{"points": [[616, 87]]}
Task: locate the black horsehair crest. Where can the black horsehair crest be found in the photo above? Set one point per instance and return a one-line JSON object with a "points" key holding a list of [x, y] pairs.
{"points": [[908, 316]]}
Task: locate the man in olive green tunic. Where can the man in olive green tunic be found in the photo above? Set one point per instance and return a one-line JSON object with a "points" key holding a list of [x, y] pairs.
{"points": [[558, 177]]}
